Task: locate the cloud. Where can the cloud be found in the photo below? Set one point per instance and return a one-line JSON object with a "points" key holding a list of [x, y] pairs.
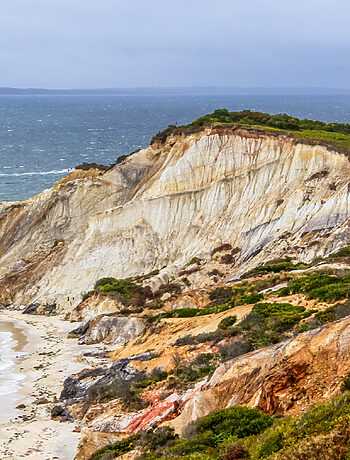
{"points": [[110, 43]]}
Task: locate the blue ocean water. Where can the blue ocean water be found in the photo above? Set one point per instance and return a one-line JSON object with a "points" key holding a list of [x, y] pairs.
{"points": [[42, 137]]}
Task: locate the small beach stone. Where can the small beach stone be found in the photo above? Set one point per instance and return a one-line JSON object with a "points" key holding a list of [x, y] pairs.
{"points": [[21, 406]]}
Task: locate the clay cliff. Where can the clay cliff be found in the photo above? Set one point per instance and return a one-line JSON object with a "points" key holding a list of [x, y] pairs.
{"points": [[205, 272], [265, 195]]}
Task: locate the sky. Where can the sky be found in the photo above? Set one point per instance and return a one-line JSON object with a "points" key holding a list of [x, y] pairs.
{"points": [[157, 43]]}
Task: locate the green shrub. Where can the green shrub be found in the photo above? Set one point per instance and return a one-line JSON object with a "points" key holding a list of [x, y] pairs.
{"points": [[171, 288], [336, 134], [249, 298], [220, 295], [283, 292], [231, 350], [191, 312], [116, 449], [279, 309], [345, 386], [186, 281], [153, 440], [322, 286], [227, 322], [197, 369], [331, 292], [130, 292], [157, 375], [272, 444], [234, 421], [215, 336], [282, 265], [290, 435], [194, 260]]}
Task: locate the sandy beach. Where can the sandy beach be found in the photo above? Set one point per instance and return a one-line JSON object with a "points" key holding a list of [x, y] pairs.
{"points": [[49, 358]]}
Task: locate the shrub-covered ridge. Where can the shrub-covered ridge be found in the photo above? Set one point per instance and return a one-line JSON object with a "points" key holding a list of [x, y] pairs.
{"points": [[336, 134]]}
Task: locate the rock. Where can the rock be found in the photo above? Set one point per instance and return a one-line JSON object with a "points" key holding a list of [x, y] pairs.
{"points": [[76, 388], [57, 411], [21, 406], [79, 331], [61, 413], [113, 330], [41, 401], [37, 309]]}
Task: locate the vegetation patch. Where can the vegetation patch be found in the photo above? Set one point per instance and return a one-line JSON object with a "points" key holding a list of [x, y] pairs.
{"points": [[191, 312], [275, 267], [333, 134], [116, 449], [87, 166], [322, 432], [322, 287], [128, 291]]}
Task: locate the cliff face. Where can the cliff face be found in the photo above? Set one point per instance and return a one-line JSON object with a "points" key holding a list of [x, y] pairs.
{"points": [[266, 195]]}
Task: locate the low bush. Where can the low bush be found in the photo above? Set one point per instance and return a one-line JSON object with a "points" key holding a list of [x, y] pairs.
{"points": [[292, 434], [119, 389], [220, 295], [322, 433], [221, 248], [227, 322], [322, 286], [171, 288], [191, 312], [280, 309], [157, 439], [189, 271], [130, 293], [234, 421], [157, 375], [194, 260], [234, 349], [116, 449], [87, 166], [201, 366], [276, 267], [345, 386], [227, 259], [249, 299], [215, 336], [186, 281]]}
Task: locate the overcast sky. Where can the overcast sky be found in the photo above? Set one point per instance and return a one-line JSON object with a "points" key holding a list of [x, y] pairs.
{"points": [[113, 43]]}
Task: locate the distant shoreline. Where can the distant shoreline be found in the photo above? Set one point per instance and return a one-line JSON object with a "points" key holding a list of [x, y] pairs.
{"points": [[177, 91]]}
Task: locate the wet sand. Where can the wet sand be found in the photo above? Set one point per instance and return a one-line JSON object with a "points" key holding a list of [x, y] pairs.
{"points": [[13, 376]]}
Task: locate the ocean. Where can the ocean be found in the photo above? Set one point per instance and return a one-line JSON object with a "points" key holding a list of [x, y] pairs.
{"points": [[43, 137]]}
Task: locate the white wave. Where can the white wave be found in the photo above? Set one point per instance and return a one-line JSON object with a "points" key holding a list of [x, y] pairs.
{"points": [[36, 173]]}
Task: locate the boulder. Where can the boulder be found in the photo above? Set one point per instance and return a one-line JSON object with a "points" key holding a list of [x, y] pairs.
{"points": [[113, 330]]}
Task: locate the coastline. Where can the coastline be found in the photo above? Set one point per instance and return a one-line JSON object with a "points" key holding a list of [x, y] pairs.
{"points": [[49, 357], [12, 379]]}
